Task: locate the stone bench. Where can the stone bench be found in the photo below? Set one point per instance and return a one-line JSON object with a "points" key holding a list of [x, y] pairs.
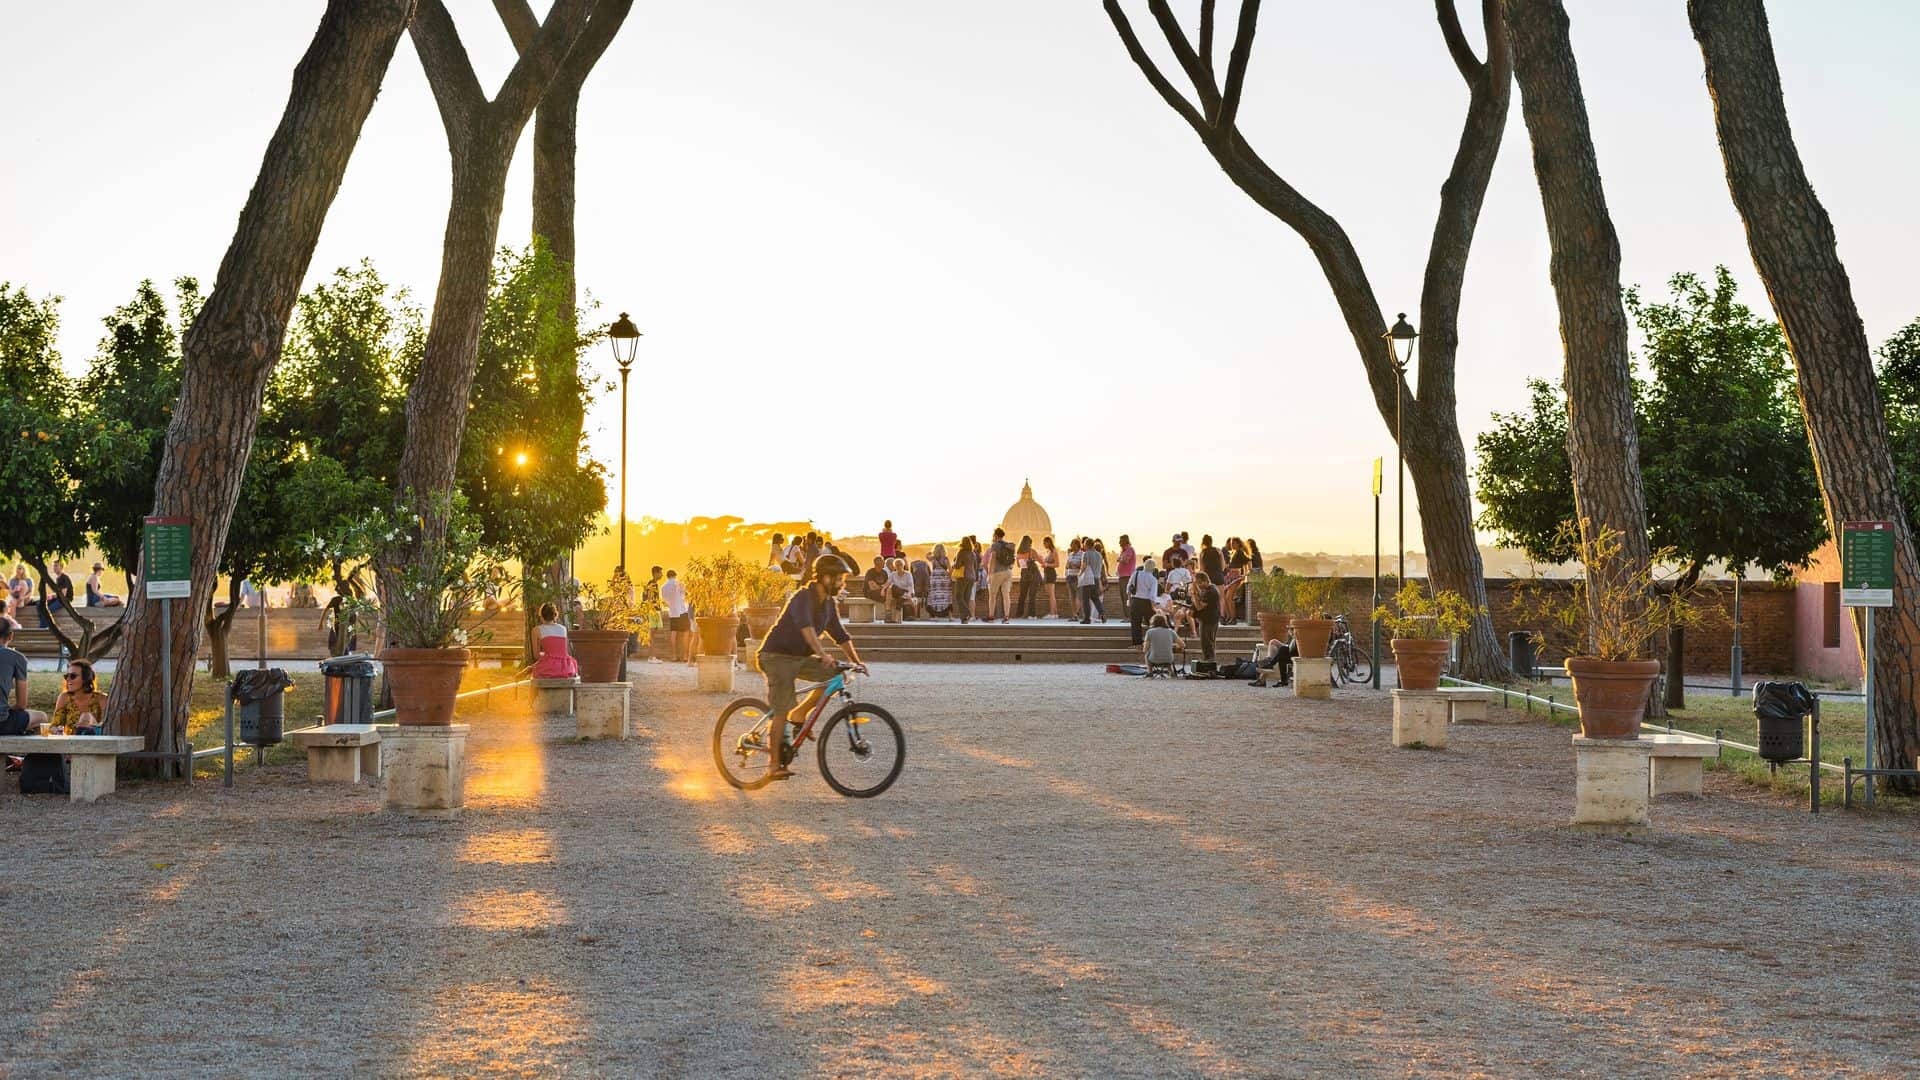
{"points": [[1468, 704], [859, 609], [340, 753], [1679, 764], [553, 698], [91, 759]]}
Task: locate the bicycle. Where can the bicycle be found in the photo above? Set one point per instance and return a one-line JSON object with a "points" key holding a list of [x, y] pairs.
{"points": [[859, 765], [1351, 665]]}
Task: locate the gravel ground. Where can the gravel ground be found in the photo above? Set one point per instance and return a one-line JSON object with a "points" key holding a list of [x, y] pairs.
{"points": [[1077, 875]]}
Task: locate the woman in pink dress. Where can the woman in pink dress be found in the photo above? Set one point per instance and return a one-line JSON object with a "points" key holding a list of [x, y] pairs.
{"points": [[550, 642]]}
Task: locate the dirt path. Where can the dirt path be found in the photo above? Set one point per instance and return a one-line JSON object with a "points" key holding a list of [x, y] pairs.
{"points": [[1077, 875]]}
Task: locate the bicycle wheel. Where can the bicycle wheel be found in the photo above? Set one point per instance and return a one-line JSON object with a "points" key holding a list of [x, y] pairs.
{"points": [[740, 744], [862, 750], [1359, 666]]}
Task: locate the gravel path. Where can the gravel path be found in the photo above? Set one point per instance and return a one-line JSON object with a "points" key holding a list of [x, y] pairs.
{"points": [[1077, 875]]}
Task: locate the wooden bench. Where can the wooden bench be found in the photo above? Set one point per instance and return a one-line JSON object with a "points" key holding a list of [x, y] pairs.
{"points": [[1467, 704], [506, 654], [340, 753], [859, 609], [91, 758], [34, 643], [1679, 764]]}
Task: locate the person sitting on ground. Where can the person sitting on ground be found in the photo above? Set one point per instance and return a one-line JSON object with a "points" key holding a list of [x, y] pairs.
{"points": [[1160, 646], [80, 708], [793, 650], [900, 588], [874, 586], [550, 642]]}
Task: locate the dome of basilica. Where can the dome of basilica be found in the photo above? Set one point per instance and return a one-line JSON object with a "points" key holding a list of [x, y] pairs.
{"points": [[1026, 518]]}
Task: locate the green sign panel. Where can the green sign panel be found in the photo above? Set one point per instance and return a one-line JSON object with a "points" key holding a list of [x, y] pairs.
{"points": [[166, 564], [1866, 563]]}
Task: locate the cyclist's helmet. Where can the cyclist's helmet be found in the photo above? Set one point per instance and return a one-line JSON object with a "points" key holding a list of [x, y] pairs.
{"points": [[828, 564]]}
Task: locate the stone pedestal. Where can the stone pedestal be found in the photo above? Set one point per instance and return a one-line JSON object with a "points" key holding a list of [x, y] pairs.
{"points": [[1420, 718], [601, 710], [1679, 764], [553, 698], [715, 674], [1313, 677], [750, 654], [1610, 784], [90, 776], [426, 769]]}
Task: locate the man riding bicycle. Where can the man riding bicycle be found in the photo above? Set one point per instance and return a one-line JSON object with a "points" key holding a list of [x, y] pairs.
{"points": [[793, 650]]}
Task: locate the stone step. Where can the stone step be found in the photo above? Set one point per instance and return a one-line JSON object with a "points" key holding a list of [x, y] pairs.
{"points": [[1008, 654]]}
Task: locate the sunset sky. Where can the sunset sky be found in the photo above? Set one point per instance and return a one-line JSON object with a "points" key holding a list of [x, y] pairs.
{"points": [[892, 258]]}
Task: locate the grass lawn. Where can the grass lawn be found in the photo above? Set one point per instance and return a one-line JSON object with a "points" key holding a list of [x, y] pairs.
{"points": [[206, 723], [1843, 733]]}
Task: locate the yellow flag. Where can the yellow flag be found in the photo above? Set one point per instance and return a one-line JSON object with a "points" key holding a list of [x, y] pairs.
{"points": [[1376, 476]]}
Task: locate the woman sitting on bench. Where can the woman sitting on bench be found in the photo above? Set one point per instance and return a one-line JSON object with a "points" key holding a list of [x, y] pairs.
{"points": [[550, 640]]}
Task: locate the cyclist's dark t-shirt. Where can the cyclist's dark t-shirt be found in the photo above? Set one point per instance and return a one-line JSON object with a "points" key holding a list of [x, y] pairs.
{"points": [[803, 610]]}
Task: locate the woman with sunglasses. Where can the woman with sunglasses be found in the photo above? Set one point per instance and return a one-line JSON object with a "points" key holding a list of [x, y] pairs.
{"points": [[79, 706]]}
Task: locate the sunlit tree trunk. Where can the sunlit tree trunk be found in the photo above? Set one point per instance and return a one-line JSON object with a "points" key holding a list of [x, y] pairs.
{"points": [[236, 338], [1794, 249]]}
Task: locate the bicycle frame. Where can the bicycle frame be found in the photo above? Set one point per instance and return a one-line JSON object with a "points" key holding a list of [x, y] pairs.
{"points": [[828, 690]]}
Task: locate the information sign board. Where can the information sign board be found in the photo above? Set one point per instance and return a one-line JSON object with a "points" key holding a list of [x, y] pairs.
{"points": [[1866, 563], [166, 564]]}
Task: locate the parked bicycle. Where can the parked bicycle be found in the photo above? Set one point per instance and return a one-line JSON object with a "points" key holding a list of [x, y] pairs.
{"points": [[1351, 664], [860, 747]]}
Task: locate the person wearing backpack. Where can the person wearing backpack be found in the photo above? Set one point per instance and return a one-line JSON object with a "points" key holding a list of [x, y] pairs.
{"points": [[1000, 558]]}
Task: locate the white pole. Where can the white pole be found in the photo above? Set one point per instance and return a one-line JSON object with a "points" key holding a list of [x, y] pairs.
{"points": [[1869, 700]]}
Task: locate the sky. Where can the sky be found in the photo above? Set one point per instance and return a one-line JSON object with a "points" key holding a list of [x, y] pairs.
{"points": [[893, 258]]}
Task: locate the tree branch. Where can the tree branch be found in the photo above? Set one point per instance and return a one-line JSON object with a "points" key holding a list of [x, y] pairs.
{"points": [[1471, 69], [449, 72], [520, 20], [528, 81], [1146, 65], [1237, 64], [602, 26], [1206, 35], [1183, 52]]}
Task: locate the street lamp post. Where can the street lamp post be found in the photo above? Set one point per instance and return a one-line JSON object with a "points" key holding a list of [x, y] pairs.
{"points": [[1400, 341], [625, 339]]}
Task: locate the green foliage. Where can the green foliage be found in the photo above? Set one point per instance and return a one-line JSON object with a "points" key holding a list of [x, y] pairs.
{"points": [[1313, 597], [1417, 613], [616, 608], [1723, 448], [715, 585], [339, 390], [1615, 609], [431, 585], [523, 462], [1900, 396], [768, 587], [1274, 592]]}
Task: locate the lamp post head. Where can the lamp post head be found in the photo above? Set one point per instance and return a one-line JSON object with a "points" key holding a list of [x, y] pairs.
{"points": [[1400, 339], [625, 339]]}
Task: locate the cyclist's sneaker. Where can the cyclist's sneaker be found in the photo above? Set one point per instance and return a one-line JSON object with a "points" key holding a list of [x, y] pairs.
{"points": [[780, 774]]}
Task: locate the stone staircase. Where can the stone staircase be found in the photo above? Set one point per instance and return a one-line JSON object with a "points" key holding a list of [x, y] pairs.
{"points": [[1043, 641]]}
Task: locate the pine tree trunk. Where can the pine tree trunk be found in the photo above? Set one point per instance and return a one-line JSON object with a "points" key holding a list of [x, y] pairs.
{"points": [[555, 145], [1439, 474], [1602, 443], [219, 666], [235, 340], [1794, 249]]}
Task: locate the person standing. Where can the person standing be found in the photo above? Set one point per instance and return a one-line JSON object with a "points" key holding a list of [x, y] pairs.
{"points": [[1237, 562], [1093, 568], [1028, 562], [1124, 567], [966, 574], [939, 583], [889, 542], [1000, 582], [1050, 574], [1212, 562], [1253, 553], [679, 617], [1143, 596], [1206, 611]]}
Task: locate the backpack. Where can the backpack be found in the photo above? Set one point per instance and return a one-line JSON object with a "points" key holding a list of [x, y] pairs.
{"points": [[43, 774], [1002, 555]]}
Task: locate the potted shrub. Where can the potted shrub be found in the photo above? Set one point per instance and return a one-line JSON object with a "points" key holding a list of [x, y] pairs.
{"points": [[1422, 625], [767, 591], [714, 590], [1273, 600], [607, 620], [428, 591], [1313, 597], [1608, 620]]}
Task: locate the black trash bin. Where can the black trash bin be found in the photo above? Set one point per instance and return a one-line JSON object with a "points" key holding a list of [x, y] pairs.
{"points": [[258, 692], [1781, 708], [1520, 653], [349, 689]]}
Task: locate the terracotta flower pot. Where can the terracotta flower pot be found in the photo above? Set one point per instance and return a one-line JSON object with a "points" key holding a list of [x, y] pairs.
{"points": [[1420, 662], [717, 634], [1273, 626], [424, 684], [1311, 636], [1612, 694], [760, 620], [598, 653]]}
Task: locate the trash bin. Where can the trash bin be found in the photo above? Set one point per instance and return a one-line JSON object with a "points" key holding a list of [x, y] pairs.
{"points": [[349, 689], [1781, 708], [1520, 652], [262, 708]]}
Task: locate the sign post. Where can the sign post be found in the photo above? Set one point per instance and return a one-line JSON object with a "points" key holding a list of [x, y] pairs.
{"points": [[166, 572], [1866, 581], [1377, 463]]}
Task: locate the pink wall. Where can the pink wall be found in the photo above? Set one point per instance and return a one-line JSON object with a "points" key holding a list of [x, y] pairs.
{"points": [[1811, 656]]}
